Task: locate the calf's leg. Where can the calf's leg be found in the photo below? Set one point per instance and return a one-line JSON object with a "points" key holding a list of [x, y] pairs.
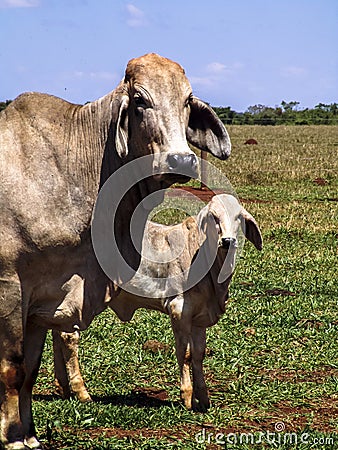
{"points": [[66, 365], [183, 355], [200, 398]]}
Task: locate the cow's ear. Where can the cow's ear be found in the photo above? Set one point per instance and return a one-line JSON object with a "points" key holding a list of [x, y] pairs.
{"points": [[121, 132], [251, 229], [205, 130]]}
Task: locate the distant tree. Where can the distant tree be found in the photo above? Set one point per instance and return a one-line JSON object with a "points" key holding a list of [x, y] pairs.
{"points": [[262, 115], [256, 109], [291, 106], [3, 105], [226, 114]]}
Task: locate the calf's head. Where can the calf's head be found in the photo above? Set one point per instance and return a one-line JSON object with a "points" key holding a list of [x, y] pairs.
{"points": [[220, 221], [156, 115]]}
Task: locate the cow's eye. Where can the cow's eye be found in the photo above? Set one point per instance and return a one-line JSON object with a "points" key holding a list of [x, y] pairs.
{"points": [[140, 102], [188, 100]]}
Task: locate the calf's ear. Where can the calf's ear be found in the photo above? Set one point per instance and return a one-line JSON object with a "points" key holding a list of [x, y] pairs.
{"points": [[251, 229], [205, 130], [120, 111]]}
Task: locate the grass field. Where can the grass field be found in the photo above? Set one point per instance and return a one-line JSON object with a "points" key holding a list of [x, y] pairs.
{"points": [[272, 360]]}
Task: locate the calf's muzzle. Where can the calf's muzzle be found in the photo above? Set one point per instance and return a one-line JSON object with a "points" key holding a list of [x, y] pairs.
{"points": [[229, 243]]}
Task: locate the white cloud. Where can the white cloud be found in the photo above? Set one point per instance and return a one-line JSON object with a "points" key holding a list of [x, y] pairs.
{"points": [[19, 3], [201, 81], [294, 71], [216, 73], [216, 67], [136, 17]]}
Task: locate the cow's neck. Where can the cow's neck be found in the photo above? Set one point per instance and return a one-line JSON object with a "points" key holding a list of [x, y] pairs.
{"points": [[130, 246], [87, 140]]}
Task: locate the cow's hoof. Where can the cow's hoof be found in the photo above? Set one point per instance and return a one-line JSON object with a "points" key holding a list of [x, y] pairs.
{"points": [[32, 443], [62, 391], [18, 445]]}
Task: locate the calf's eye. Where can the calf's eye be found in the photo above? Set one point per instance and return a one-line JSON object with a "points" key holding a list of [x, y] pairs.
{"points": [[217, 224]]}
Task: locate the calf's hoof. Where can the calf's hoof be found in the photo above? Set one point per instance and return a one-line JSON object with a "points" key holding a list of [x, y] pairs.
{"points": [[84, 397], [200, 404], [186, 397]]}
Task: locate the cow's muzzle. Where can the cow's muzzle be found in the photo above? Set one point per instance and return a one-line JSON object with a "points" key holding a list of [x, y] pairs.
{"points": [[229, 243], [185, 165]]}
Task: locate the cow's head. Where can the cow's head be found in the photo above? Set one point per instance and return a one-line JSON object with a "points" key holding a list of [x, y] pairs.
{"points": [[157, 113]]}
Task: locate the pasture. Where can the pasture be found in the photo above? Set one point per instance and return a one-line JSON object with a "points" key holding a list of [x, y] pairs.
{"points": [[272, 360]]}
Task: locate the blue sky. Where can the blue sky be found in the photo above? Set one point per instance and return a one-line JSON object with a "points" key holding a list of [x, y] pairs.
{"points": [[235, 52]]}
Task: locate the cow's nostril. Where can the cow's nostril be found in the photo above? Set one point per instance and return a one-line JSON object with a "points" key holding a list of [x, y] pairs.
{"points": [[174, 161], [190, 161], [183, 162]]}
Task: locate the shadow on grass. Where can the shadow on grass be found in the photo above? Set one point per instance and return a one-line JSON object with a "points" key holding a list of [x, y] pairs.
{"points": [[139, 398]]}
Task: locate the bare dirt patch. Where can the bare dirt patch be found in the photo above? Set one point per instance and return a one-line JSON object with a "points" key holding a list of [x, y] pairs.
{"points": [[299, 376], [205, 194]]}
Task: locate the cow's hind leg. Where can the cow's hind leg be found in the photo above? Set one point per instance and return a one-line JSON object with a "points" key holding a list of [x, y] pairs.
{"points": [[11, 364], [34, 342], [66, 365], [200, 398], [60, 371]]}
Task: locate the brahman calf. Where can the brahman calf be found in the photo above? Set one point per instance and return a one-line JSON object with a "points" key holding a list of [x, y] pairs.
{"points": [[185, 272]]}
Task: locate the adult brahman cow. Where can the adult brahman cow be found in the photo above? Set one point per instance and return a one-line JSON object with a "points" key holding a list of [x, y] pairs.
{"points": [[54, 157], [169, 254]]}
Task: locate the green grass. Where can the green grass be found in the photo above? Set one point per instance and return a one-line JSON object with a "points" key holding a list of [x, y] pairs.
{"points": [[272, 358]]}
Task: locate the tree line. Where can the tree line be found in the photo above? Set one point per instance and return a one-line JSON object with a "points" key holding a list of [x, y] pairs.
{"points": [[287, 113], [284, 114]]}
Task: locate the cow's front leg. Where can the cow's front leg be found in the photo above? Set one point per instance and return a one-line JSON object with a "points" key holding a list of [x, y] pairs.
{"points": [[183, 355], [11, 378], [200, 398], [12, 371], [34, 341], [66, 364]]}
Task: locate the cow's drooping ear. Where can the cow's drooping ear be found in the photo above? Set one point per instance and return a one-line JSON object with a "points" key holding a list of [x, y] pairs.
{"points": [[205, 130], [121, 132], [251, 229]]}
